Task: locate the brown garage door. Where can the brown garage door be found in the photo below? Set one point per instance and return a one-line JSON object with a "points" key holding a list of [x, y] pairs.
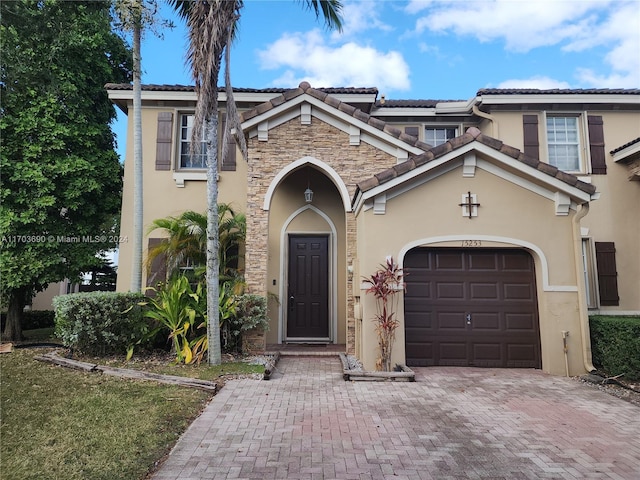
{"points": [[471, 307]]}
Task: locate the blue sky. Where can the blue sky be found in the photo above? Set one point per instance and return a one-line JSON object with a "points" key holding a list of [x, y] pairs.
{"points": [[427, 49]]}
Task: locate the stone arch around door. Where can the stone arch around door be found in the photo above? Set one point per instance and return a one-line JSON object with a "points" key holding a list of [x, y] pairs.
{"points": [[318, 165], [472, 305]]}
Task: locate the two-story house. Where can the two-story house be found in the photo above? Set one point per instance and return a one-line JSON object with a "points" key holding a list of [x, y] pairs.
{"points": [[514, 214]]}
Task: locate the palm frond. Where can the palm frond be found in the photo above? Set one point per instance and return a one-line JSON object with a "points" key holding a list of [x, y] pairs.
{"points": [[331, 12]]}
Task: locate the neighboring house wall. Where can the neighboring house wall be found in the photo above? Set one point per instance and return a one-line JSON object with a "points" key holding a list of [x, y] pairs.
{"points": [[44, 300]]}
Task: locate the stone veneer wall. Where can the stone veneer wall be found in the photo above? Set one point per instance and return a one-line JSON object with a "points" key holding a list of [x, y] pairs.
{"points": [[287, 143]]}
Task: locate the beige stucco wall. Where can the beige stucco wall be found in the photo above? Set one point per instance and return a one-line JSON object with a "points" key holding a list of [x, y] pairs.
{"points": [[615, 217], [612, 218], [162, 196], [510, 215]]}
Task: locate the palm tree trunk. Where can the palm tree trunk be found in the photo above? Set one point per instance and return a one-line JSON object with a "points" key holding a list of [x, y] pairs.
{"points": [[213, 240], [136, 275]]}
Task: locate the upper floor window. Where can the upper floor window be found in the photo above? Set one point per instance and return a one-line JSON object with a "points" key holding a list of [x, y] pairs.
{"points": [[439, 135], [187, 160], [563, 140]]}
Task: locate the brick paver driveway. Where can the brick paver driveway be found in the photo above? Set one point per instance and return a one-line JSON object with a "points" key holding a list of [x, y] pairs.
{"points": [[453, 423]]}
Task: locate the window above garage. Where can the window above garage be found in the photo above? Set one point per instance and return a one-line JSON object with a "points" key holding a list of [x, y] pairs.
{"points": [[571, 141], [563, 143]]}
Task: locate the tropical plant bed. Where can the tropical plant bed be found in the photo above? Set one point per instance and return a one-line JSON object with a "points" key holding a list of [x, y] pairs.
{"points": [[351, 370]]}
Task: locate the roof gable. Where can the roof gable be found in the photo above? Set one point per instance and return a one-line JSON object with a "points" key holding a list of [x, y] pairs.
{"points": [[511, 163], [306, 101]]}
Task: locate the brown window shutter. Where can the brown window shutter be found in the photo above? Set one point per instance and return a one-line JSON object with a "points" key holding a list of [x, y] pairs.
{"points": [[607, 273], [229, 160], [596, 145], [413, 131], [531, 143], [158, 269], [164, 141]]}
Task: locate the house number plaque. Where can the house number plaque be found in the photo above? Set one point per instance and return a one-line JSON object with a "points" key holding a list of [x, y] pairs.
{"points": [[471, 243]]}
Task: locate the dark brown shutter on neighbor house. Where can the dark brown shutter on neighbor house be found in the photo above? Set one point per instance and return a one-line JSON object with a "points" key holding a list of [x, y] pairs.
{"points": [[158, 269], [413, 131], [607, 274], [531, 143], [596, 145], [229, 160], [164, 141]]}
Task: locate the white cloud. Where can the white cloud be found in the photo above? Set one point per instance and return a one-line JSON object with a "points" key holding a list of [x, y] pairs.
{"points": [[522, 24], [621, 32], [360, 16], [543, 83], [575, 26], [306, 56]]}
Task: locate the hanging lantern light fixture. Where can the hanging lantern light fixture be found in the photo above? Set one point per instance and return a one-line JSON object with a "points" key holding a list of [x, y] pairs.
{"points": [[308, 193]]}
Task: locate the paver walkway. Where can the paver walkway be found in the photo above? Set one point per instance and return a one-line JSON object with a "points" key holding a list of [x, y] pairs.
{"points": [[452, 423]]}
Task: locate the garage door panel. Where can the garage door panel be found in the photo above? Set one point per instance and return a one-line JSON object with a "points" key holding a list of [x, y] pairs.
{"points": [[483, 261], [516, 262], [487, 321], [449, 261], [453, 353], [496, 287], [522, 355], [487, 354], [520, 322], [448, 321], [419, 289], [450, 290], [418, 320], [518, 291], [486, 291]]}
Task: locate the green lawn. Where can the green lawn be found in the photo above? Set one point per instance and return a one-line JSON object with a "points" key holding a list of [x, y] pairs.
{"points": [[65, 424]]}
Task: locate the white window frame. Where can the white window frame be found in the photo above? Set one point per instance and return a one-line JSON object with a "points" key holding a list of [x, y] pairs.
{"points": [[427, 127], [581, 142], [186, 142]]}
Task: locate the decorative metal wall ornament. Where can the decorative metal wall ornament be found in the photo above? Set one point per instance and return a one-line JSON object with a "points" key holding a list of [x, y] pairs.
{"points": [[469, 205]]}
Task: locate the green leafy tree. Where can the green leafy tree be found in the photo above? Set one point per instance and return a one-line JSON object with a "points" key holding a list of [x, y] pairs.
{"points": [[212, 27], [60, 189]]}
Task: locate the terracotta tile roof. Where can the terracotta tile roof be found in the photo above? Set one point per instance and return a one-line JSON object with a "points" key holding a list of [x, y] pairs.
{"points": [[324, 95], [558, 91], [190, 88], [411, 103], [472, 134], [622, 147]]}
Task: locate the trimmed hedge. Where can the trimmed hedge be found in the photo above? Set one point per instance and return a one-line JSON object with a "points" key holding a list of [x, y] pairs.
{"points": [[99, 323], [615, 345], [33, 319]]}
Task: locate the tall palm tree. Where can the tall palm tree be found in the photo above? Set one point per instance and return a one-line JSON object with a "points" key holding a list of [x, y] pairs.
{"points": [[135, 16], [212, 27]]}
